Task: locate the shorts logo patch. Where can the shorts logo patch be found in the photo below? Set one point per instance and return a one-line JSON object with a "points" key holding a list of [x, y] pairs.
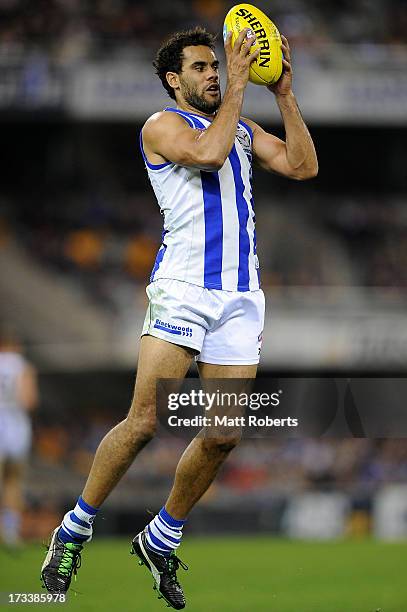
{"points": [[178, 330], [260, 339]]}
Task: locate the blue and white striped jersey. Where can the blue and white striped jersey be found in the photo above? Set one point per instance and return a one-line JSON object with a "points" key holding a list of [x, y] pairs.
{"points": [[209, 236]]}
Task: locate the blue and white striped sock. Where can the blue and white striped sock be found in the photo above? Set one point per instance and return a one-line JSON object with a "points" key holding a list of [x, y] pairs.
{"points": [[77, 524], [164, 533]]}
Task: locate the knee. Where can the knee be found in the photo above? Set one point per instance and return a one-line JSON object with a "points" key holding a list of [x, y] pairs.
{"points": [[223, 443], [142, 429]]}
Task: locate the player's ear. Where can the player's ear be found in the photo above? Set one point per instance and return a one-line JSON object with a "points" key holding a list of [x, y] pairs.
{"points": [[173, 79]]}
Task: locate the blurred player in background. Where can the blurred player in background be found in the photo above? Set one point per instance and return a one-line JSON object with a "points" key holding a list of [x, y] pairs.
{"points": [[18, 397], [205, 281]]}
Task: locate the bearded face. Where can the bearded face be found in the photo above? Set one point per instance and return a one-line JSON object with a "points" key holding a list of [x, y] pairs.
{"points": [[205, 99], [197, 85]]}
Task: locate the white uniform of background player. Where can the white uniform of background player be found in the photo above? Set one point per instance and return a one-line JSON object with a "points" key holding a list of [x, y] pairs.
{"points": [[18, 395]]}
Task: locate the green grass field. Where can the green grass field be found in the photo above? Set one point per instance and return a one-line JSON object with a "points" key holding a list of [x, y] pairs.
{"points": [[237, 574]]}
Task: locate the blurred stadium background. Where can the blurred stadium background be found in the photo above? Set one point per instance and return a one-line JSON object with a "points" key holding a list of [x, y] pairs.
{"points": [[79, 229]]}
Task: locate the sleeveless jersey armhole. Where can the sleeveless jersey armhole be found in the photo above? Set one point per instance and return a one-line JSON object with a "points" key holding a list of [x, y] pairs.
{"points": [[149, 164]]}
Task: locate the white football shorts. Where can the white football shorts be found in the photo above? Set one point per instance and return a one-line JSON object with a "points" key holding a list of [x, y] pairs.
{"points": [[224, 327], [15, 434]]}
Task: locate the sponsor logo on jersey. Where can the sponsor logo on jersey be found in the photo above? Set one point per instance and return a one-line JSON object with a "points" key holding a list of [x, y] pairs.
{"points": [[244, 139]]}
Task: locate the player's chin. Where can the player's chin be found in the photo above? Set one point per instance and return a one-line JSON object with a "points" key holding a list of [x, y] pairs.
{"points": [[213, 98]]}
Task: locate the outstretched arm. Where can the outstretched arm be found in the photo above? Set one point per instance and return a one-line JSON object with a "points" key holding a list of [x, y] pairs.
{"points": [[296, 157]]}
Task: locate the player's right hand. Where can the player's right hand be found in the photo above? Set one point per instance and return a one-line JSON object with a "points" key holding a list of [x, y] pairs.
{"points": [[239, 58]]}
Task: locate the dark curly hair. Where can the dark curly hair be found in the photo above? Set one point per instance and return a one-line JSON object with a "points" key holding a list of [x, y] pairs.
{"points": [[169, 56]]}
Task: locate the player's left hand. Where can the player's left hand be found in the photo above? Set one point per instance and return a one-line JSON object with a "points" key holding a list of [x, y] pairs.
{"points": [[283, 86]]}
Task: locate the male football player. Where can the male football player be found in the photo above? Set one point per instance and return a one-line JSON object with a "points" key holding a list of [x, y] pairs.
{"points": [[198, 155]]}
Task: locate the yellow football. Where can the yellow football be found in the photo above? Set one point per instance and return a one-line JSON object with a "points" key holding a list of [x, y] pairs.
{"points": [[268, 66]]}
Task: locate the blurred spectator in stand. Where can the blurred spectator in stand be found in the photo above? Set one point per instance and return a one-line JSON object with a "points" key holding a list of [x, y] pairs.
{"points": [[84, 248]]}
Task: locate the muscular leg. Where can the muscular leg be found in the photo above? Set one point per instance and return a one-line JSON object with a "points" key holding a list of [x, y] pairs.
{"points": [[117, 450], [202, 459]]}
